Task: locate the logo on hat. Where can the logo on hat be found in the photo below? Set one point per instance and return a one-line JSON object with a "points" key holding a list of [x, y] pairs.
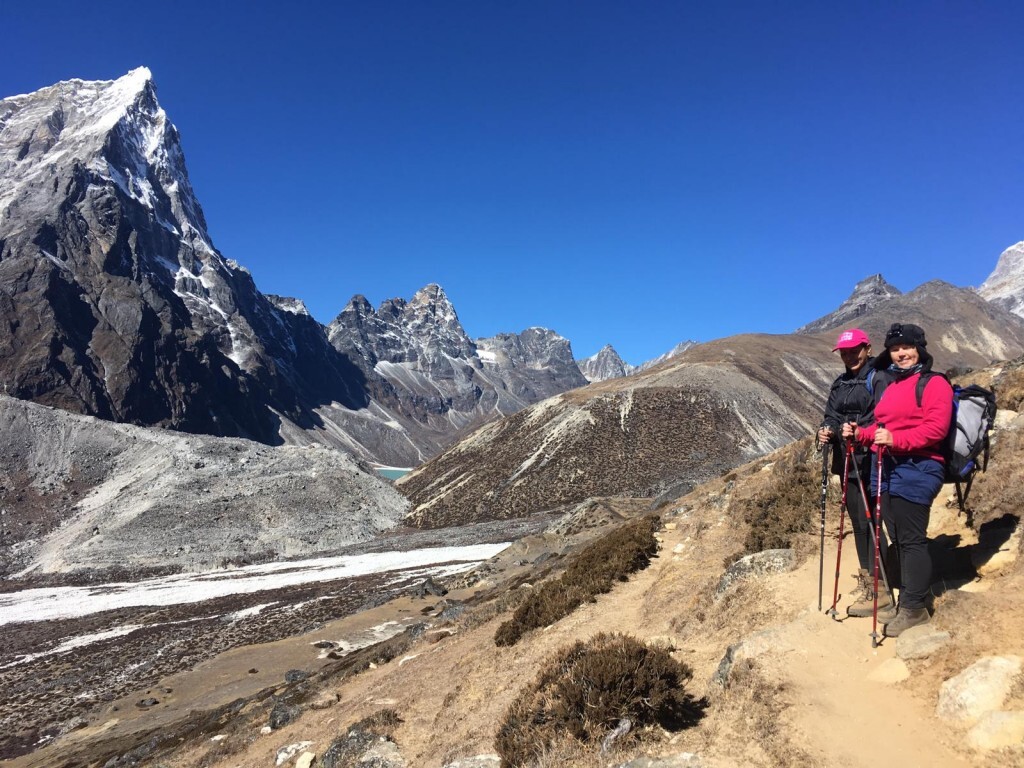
{"points": [[850, 339]]}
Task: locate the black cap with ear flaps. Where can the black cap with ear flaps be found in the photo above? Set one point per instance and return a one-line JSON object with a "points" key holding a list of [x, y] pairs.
{"points": [[905, 333]]}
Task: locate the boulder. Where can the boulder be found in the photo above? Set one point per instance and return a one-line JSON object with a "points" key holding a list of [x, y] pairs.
{"points": [[287, 752], [890, 671], [920, 642], [981, 688], [750, 647], [282, 714], [682, 760], [996, 730], [478, 761], [755, 566]]}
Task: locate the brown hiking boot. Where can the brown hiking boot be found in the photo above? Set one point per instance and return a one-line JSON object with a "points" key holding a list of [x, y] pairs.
{"points": [[865, 603], [905, 619], [888, 614]]}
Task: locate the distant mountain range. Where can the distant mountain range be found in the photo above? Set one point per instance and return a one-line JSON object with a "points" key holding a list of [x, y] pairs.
{"points": [[662, 431], [115, 303]]}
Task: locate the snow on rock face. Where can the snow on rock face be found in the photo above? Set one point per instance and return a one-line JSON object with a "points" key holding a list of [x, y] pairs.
{"points": [[1005, 286], [604, 365], [137, 317], [678, 349], [435, 378]]}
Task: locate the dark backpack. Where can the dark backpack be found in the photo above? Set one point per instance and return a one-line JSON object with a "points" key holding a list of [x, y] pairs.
{"points": [[965, 448]]}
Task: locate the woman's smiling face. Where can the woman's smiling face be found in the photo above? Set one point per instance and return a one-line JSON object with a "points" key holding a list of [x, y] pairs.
{"points": [[904, 355]]}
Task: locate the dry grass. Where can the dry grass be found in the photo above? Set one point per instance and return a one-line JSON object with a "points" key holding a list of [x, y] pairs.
{"points": [[785, 510], [1000, 490], [593, 572], [753, 706], [586, 690]]}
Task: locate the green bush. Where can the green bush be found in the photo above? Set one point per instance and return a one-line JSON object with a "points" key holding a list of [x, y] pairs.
{"points": [[585, 690], [594, 571]]}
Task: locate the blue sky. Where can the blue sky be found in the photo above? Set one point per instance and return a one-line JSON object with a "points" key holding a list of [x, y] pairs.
{"points": [[632, 173]]}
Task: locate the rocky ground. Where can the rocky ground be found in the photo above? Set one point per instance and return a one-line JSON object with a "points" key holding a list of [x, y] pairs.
{"points": [[784, 683], [59, 674], [78, 494]]}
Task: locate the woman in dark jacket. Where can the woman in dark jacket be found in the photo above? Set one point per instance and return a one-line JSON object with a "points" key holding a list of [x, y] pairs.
{"points": [[852, 400], [911, 423]]}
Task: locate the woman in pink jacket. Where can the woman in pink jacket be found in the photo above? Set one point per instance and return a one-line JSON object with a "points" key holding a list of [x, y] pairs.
{"points": [[911, 422]]}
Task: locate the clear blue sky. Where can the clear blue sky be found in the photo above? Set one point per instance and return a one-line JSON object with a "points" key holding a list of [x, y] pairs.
{"points": [[632, 173]]}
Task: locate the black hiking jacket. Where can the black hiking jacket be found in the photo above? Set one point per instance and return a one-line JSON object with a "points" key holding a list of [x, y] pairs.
{"points": [[850, 400]]}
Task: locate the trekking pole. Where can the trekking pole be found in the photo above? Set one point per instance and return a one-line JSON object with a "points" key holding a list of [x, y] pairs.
{"points": [[871, 530], [824, 493], [878, 517], [842, 519]]}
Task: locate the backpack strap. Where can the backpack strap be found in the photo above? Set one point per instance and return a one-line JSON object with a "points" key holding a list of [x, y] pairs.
{"points": [[869, 382], [922, 382]]}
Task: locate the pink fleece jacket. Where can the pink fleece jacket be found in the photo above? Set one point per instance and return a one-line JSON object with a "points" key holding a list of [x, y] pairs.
{"points": [[917, 431]]}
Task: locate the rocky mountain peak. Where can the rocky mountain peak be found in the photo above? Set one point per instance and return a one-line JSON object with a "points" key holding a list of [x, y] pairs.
{"points": [[866, 294], [1005, 286], [289, 304], [606, 364], [678, 349], [116, 132]]}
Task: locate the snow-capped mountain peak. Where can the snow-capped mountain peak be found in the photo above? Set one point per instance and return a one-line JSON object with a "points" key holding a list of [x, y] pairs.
{"points": [[1005, 286]]}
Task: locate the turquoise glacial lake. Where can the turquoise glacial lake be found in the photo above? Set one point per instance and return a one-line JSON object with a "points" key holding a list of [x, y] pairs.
{"points": [[393, 473]]}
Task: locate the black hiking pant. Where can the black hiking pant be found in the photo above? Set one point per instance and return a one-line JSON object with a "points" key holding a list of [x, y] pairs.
{"points": [[908, 528], [861, 522]]}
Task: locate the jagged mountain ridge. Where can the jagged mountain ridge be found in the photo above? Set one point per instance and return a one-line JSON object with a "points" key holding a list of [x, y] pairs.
{"points": [[115, 303], [678, 349], [664, 430], [417, 354]]}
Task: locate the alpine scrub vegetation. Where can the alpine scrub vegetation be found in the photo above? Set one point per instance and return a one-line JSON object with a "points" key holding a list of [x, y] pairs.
{"points": [[785, 509], [587, 690], [594, 571]]}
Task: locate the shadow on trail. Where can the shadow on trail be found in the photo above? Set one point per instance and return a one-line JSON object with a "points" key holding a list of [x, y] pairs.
{"points": [[955, 565]]}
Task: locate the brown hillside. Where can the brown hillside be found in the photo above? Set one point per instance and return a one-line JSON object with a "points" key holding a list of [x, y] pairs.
{"points": [[803, 690], [662, 431]]}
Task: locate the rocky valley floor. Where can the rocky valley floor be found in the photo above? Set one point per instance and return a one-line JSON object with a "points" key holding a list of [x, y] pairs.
{"points": [[85, 657], [801, 689]]}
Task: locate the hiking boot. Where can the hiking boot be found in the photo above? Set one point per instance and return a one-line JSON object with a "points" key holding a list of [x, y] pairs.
{"points": [[866, 605], [888, 614], [905, 619]]}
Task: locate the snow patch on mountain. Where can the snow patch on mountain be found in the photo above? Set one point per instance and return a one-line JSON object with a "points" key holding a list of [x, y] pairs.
{"points": [[678, 349], [1005, 286]]}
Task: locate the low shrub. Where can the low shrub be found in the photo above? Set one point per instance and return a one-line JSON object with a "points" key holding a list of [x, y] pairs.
{"points": [[594, 571], [585, 690], [348, 750], [787, 508]]}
